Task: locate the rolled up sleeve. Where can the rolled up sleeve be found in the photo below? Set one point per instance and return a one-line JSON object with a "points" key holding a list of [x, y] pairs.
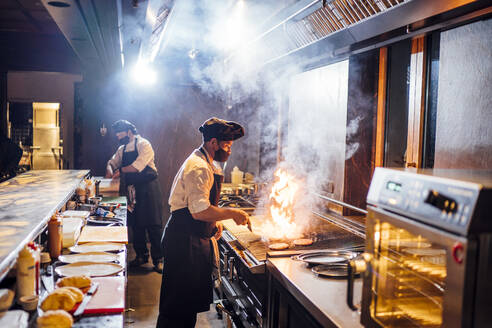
{"points": [[198, 183], [145, 155], [115, 161]]}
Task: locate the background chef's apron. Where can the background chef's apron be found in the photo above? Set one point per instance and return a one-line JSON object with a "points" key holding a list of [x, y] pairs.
{"points": [[187, 285], [148, 207]]}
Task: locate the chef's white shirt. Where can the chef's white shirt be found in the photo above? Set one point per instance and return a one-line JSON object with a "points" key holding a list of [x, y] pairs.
{"points": [[145, 155], [191, 186]]}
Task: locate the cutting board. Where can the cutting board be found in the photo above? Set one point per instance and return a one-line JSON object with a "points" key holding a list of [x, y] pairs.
{"points": [[104, 234], [109, 298]]}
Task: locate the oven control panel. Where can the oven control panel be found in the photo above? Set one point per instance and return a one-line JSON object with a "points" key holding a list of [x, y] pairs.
{"points": [[443, 202]]}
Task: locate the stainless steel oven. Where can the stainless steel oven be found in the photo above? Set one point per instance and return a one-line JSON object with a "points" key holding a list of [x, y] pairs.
{"points": [[428, 258]]}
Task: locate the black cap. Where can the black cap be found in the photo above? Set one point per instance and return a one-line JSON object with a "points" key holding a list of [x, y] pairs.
{"points": [[123, 126], [223, 130]]}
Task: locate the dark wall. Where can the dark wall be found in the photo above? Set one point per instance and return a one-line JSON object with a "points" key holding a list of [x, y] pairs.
{"points": [[362, 107], [167, 115], [397, 103], [464, 107]]}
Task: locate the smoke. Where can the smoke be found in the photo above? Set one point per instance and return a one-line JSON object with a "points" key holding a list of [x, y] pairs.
{"points": [[309, 106]]}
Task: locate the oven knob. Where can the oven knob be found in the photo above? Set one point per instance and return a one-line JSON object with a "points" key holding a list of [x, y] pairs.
{"points": [[458, 252]]}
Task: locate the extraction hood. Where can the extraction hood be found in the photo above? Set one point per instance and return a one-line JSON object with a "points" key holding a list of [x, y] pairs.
{"points": [[314, 30]]}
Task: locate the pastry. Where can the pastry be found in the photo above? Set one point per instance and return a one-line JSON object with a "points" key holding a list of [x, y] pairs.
{"points": [[75, 281], [59, 299], [55, 319], [76, 293]]}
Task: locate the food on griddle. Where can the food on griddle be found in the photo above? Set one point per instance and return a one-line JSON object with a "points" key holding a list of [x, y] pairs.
{"points": [[75, 281], [278, 246], [59, 299], [55, 319], [303, 242]]}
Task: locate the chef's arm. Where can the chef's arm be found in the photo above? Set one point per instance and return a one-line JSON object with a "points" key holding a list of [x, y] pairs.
{"points": [[113, 164], [214, 213], [129, 169]]}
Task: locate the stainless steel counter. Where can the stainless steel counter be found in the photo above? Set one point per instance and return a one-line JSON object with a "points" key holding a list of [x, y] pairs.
{"points": [[323, 298], [27, 203]]}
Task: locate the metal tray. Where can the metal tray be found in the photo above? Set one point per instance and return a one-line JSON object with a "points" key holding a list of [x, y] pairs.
{"points": [[325, 257], [334, 270]]}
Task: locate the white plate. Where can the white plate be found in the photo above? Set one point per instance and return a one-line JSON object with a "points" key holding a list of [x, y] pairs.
{"points": [[89, 257], [91, 269], [97, 247]]}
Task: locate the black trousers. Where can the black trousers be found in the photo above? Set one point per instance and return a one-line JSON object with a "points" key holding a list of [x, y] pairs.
{"points": [[183, 321], [140, 240]]}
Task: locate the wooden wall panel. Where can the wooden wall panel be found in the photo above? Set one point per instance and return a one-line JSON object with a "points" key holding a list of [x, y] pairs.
{"points": [[381, 109], [416, 103]]}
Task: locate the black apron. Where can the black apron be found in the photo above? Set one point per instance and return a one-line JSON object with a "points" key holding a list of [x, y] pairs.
{"points": [[187, 285], [148, 207]]}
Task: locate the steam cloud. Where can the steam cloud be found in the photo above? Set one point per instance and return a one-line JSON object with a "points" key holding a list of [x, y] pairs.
{"points": [[315, 148]]}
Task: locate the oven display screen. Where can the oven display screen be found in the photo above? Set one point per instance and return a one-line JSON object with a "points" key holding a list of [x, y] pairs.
{"points": [[393, 186]]}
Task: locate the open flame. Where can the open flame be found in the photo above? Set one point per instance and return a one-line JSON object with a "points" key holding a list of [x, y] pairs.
{"points": [[281, 205]]}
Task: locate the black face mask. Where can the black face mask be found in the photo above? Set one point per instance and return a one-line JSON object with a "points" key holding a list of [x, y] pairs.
{"points": [[221, 155], [124, 140]]}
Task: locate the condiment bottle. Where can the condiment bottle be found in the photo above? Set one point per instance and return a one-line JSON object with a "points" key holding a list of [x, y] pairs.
{"points": [[26, 273], [55, 236], [37, 256]]}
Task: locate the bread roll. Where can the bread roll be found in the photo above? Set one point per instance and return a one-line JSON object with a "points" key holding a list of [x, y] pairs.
{"points": [[75, 281], [76, 293], [55, 319], [278, 246], [303, 242], [59, 299]]}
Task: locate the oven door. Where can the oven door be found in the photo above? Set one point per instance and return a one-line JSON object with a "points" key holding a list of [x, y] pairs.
{"points": [[416, 275]]}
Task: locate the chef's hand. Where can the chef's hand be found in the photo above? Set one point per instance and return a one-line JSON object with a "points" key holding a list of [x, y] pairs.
{"points": [[116, 174], [220, 228], [240, 217]]}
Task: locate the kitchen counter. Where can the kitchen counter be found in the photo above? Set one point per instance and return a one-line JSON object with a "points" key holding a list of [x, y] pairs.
{"points": [[323, 298], [27, 202]]}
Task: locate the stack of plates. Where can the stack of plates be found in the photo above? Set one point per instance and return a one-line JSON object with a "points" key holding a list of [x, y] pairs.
{"points": [[91, 259]]}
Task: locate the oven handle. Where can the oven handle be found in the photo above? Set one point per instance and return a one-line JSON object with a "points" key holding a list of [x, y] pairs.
{"points": [[358, 265]]}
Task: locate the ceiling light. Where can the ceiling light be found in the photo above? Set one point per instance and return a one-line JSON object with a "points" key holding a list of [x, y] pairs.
{"points": [[144, 74]]}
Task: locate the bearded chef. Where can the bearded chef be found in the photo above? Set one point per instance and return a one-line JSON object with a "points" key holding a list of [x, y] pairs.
{"points": [[187, 285], [134, 163]]}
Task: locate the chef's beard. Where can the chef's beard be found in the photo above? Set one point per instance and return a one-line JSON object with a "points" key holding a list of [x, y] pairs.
{"points": [[221, 155], [124, 140]]}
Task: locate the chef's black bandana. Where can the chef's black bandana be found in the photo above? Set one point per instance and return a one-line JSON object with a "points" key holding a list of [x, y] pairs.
{"points": [[220, 129], [123, 126]]}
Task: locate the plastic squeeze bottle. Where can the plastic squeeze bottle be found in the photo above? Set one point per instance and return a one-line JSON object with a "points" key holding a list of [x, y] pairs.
{"points": [[55, 236], [26, 273]]}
